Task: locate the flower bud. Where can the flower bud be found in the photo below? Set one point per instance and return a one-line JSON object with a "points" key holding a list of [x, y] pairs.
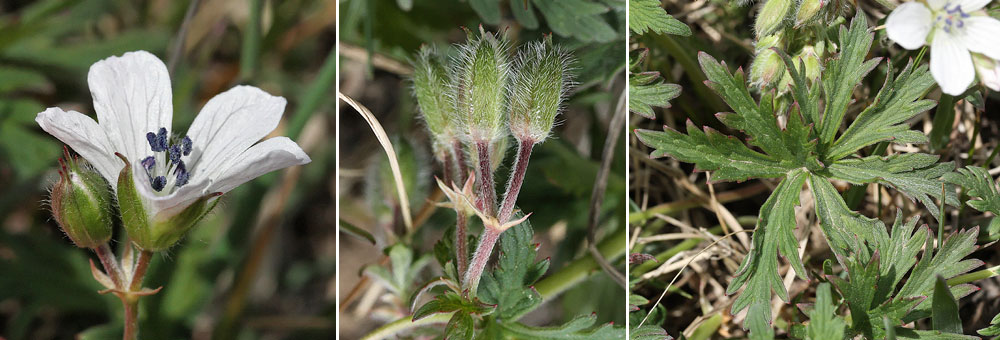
{"points": [[481, 86], [81, 204], [767, 69], [164, 228], [808, 10], [810, 58], [539, 87], [772, 17], [430, 86]]}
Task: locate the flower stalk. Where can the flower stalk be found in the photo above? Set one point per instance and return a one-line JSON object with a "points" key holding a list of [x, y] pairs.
{"points": [[524, 147]]}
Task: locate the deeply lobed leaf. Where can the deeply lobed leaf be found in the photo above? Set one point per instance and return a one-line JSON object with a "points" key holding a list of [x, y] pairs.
{"points": [[648, 16], [509, 285], [917, 175]]}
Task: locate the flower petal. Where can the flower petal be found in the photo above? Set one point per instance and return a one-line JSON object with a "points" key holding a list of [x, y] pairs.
{"points": [[988, 71], [981, 34], [971, 5], [951, 64], [170, 204], [270, 155], [937, 5], [909, 24], [228, 125], [85, 136], [132, 97]]}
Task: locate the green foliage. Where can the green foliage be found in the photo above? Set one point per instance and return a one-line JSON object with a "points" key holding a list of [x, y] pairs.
{"points": [[648, 332], [993, 329], [978, 184], [405, 268], [580, 328], [580, 19], [944, 309], [647, 89], [510, 284], [648, 16], [824, 323], [804, 147], [452, 302]]}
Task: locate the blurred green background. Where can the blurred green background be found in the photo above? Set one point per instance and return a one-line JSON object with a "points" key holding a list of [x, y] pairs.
{"points": [[374, 54], [263, 265]]}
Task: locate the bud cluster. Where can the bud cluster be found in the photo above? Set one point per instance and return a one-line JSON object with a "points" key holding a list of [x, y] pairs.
{"points": [[797, 27]]}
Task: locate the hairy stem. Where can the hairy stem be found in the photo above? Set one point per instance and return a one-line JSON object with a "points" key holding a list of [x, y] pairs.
{"points": [[487, 194], [480, 258], [131, 301], [459, 153], [461, 241], [453, 164], [516, 179], [109, 263]]}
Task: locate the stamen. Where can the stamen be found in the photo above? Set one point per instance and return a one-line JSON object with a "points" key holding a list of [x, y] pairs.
{"points": [[149, 163], [161, 139], [159, 182], [182, 178], [186, 144], [175, 153]]}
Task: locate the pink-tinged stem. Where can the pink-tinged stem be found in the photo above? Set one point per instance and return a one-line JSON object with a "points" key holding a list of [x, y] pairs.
{"points": [[516, 179], [131, 301], [461, 242], [480, 258], [459, 153], [487, 192], [110, 264]]}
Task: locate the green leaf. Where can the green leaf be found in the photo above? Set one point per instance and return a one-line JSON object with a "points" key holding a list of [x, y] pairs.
{"points": [[400, 280], [993, 329], [509, 285], [944, 309], [884, 120], [774, 234], [862, 274], [824, 324], [977, 183], [580, 328], [21, 79], [917, 175], [452, 302], [844, 73], [646, 89], [906, 333], [581, 19], [459, 327], [488, 10], [949, 261], [524, 14], [649, 332], [648, 16], [844, 229]]}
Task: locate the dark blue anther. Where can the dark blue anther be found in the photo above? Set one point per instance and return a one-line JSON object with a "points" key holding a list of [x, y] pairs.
{"points": [[180, 167], [149, 163], [161, 140], [948, 21], [151, 137], [175, 153], [158, 183], [182, 178], [186, 145]]}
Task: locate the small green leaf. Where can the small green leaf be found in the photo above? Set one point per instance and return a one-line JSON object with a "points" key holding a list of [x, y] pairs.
{"points": [[358, 232], [648, 16], [509, 285], [581, 19], [993, 329], [452, 302], [824, 324], [977, 183], [648, 332], [524, 14], [944, 309], [844, 73], [488, 10], [459, 327]]}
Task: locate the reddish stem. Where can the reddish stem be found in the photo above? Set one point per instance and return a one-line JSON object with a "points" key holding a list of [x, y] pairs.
{"points": [[109, 263], [131, 301], [487, 192], [480, 258], [516, 179], [459, 153], [461, 242]]}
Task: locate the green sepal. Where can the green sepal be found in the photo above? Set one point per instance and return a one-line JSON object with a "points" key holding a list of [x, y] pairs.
{"points": [[81, 204]]}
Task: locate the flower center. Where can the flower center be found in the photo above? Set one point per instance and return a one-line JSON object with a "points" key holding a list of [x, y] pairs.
{"points": [[164, 168], [952, 18]]}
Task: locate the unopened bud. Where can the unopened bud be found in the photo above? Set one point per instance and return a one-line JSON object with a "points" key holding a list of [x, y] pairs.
{"points": [[539, 87], [430, 86], [81, 203], [481, 84], [767, 69], [808, 11], [772, 17], [810, 58]]}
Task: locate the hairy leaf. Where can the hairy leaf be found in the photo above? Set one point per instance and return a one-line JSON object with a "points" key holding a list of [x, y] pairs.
{"points": [[452, 302], [774, 234], [844, 73], [647, 89], [648, 332], [917, 175], [824, 324], [944, 309], [459, 327], [993, 329], [647, 15], [977, 183], [509, 285]]}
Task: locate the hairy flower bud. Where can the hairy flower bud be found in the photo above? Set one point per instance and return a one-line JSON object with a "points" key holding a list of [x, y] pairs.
{"points": [[767, 69], [808, 10], [165, 228], [481, 86], [539, 87], [430, 86], [81, 204], [772, 17]]}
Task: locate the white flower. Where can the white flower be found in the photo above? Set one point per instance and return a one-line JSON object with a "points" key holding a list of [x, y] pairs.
{"points": [[955, 30], [171, 171], [988, 70]]}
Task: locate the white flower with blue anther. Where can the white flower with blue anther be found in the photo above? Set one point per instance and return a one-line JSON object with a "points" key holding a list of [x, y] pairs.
{"points": [[170, 180], [956, 30]]}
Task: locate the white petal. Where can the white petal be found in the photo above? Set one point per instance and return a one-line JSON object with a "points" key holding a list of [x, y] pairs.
{"points": [[971, 5], [169, 205], [85, 137], [270, 155], [132, 97], [988, 71], [937, 4], [229, 124], [951, 64], [982, 34], [909, 24]]}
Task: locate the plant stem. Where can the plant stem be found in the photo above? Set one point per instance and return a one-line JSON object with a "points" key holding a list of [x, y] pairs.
{"points": [[461, 241], [109, 263], [459, 153], [130, 301], [480, 258], [973, 276], [487, 193], [406, 323], [524, 147]]}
